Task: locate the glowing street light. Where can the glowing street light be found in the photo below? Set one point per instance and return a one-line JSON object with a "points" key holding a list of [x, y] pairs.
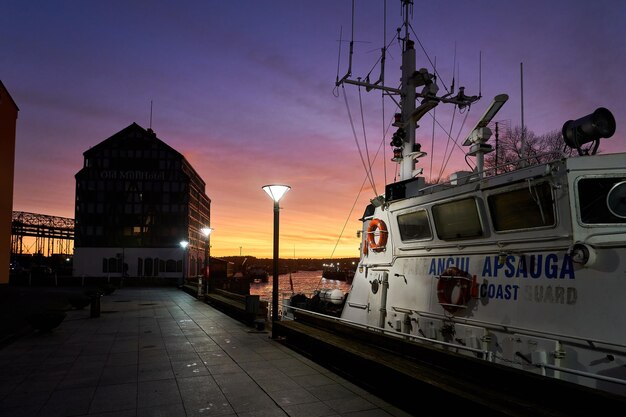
{"points": [[206, 231], [276, 192], [183, 244]]}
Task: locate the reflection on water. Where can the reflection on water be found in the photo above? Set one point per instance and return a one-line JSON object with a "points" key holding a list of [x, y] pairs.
{"points": [[303, 282]]}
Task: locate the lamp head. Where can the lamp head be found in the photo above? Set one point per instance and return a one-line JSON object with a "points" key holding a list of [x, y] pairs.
{"points": [[183, 244], [206, 231], [276, 191], [597, 125]]}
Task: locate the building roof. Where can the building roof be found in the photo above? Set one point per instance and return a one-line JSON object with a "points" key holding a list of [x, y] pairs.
{"points": [[4, 89], [131, 134], [135, 133]]}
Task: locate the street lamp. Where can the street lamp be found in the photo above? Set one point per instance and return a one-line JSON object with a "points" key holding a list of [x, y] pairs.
{"points": [[276, 192], [183, 244], [206, 231]]}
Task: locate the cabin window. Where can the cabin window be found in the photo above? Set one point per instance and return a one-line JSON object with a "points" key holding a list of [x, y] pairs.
{"points": [[524, 208], [457, 220], [600, 199], [414, 226]]}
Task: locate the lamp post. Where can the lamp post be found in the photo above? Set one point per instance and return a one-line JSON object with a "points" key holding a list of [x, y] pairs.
{"points": [[183, 244], [276, 192], [206, 231]]}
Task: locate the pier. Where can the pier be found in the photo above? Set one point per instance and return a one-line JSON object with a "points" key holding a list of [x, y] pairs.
{"points": [[160, 351]]}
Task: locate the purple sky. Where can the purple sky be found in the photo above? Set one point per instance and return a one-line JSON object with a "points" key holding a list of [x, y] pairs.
{"points": [[244, 89]]}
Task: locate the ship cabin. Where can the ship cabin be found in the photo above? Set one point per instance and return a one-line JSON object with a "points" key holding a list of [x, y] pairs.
{"points": [[569, 204]]}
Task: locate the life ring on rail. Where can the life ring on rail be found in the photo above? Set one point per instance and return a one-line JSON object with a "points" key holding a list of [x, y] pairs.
{"points": [[374, 226], [454, 289]]}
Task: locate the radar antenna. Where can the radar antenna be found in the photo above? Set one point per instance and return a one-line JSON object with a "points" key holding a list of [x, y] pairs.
{"points": [[480, 134]]}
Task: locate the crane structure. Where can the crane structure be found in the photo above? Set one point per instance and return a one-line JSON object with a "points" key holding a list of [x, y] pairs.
{"points": [[52, 234]]}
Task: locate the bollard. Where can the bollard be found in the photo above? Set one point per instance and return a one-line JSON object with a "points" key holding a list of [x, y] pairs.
{"points": [[95, 305]]}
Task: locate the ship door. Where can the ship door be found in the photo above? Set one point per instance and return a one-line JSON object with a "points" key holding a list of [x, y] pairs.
{"points": [[377, 299]]}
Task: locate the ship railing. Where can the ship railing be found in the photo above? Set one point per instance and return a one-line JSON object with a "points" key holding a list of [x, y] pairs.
{"points": [[591, 342], [505, 168], [481, 353], [583, 373], [538, 159]]}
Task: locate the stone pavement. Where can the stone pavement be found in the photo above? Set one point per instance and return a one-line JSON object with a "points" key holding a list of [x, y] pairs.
{"points": [[161, 352]]}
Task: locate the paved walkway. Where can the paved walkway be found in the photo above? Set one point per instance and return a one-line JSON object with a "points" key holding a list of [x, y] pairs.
{"points": [[161, 352]]}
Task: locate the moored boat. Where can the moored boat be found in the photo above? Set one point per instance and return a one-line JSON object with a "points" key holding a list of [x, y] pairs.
{"points": [[256, 274], [338, 274], [523, 267]]}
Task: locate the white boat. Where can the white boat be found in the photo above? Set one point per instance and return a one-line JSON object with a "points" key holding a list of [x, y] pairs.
{"points": [[525, 269]]}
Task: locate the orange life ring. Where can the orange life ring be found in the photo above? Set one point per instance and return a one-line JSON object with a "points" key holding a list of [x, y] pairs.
{"points": [[377, 224], [454, 289]]}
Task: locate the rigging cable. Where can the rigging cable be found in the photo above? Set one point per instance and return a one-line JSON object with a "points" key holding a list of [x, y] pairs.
{"points": [[382, 80], [432, 147], [367, 153], [445, 152], [367, 171], [357, 198], [455, 141]]}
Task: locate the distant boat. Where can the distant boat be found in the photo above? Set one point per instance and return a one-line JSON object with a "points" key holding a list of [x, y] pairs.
{"points": [[338, 274], [257, 274]]}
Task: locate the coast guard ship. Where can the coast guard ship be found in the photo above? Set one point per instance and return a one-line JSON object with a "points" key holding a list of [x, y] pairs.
{"points": [[525, 268]]}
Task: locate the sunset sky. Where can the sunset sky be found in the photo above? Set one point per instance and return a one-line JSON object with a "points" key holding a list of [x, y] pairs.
{"points": [[245, 91]]}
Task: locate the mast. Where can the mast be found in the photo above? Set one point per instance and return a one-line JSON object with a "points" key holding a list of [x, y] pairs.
{"points": [[406, 151], [407, 102]]}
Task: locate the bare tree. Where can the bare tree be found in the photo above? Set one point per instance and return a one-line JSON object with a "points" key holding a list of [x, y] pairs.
{"points": [[509, 155]]}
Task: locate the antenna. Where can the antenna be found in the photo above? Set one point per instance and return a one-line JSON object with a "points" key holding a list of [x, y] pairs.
{"points": [[523, 140], [349, 73], [150, 127], [479, 136], [480, 73], [339, 54]]}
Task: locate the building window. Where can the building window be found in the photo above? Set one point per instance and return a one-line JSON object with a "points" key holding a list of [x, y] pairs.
{"points": [[148, 267], [113, 265], [170, 265]]}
